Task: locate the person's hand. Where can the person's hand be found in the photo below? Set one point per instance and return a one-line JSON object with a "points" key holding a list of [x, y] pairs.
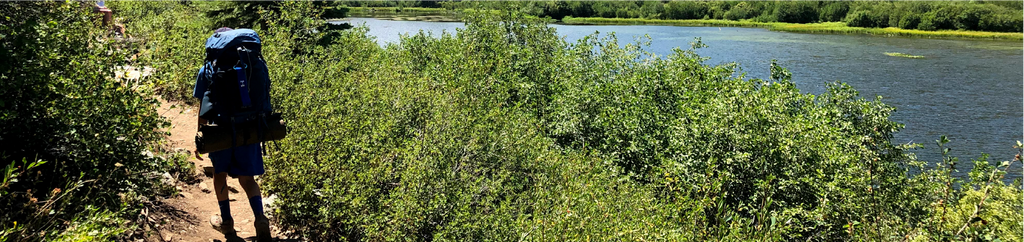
{"points": [[198, 156]]}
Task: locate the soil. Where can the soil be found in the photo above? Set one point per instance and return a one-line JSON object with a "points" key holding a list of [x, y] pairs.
{"points": [[186, 216]]}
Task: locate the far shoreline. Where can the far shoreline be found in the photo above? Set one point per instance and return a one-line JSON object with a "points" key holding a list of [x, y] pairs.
{"points": [[435, 15]]}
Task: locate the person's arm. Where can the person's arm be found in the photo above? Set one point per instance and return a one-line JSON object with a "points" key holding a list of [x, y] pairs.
{"points": [[202, 121], [197, 92]]}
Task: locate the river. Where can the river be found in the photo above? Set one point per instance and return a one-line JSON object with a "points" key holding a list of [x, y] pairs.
{"points": [[969, 90]]}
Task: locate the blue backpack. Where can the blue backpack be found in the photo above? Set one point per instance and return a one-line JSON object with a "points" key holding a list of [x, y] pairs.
{"points": [[239, 82], [237, 96]]}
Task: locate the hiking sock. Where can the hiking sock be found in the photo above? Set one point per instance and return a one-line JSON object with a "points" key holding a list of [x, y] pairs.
{"points": [[256, 202], [225, 209]]}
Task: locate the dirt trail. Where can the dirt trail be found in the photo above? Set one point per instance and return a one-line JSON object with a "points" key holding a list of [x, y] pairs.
{"points": [[196, 202]]}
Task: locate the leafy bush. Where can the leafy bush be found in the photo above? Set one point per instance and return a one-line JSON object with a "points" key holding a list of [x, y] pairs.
{"points": [[860, 19], [1009, 5], [969, 17], [503, 131], [686, 10], [942, 18], [474, 134], [428, 149], [652, 9], [61, 104], [796, 12], [741, 10], [833, 12], [169, 33], [909, 21], [984, 208], [1008, 22]]}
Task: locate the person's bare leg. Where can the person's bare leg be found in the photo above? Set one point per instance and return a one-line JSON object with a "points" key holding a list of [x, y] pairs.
{"points": [[220, 187], [252, 190], [250, 186]]}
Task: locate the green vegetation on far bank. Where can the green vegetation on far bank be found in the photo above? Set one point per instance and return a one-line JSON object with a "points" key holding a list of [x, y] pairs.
{"points": [[430, 14], [410, 10], [992, 16], [407, 14], [830, 27]]}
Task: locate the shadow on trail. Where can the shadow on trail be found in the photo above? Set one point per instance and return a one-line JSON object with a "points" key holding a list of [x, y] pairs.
{"points": [[235, 238]]}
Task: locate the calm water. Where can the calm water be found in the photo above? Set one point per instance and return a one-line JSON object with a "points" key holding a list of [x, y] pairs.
{"points": [[970, 91]]}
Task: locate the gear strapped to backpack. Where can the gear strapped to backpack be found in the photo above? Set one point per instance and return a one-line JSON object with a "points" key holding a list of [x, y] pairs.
{"points": [[237, 97]]}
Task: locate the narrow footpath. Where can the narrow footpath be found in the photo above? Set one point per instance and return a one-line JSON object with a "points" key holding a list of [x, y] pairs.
{"points": [[188, 218]]}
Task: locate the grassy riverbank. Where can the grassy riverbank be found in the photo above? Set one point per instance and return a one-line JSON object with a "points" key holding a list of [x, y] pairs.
{"points": [[432, 14], [829, 28]]}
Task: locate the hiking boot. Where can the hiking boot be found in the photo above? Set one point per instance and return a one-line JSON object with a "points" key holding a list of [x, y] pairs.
{"points": [[225, 226], [262, 225]]}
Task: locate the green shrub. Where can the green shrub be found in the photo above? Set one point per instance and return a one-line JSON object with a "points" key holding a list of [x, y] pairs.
{"points": [[859, 19], [969, 17], [942, 18], [686, 10], [909, 21], [170, 33], [652, 9], [739, 11], [433, 146], [796, 12], [1008, 5], [1007, 22], [458, 136], [833, 12], [869, 19], [503, 131], [983, 208], [62, 104]]}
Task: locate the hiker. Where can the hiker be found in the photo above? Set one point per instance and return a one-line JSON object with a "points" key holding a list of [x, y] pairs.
{"points": [[234, 79]]}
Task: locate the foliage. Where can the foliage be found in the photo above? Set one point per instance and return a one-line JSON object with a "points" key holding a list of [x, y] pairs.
{"points": [[94, 225], [62, 104], [503, 131], [473, 135], [247, 13], [168, 34], [860, 19], [985, 208], [909, 21], [796, 12], [742, 10], [685, 10], [834, 12]]}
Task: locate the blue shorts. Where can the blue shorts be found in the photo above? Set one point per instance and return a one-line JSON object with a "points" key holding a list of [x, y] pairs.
{"points": [[248, 161]]}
